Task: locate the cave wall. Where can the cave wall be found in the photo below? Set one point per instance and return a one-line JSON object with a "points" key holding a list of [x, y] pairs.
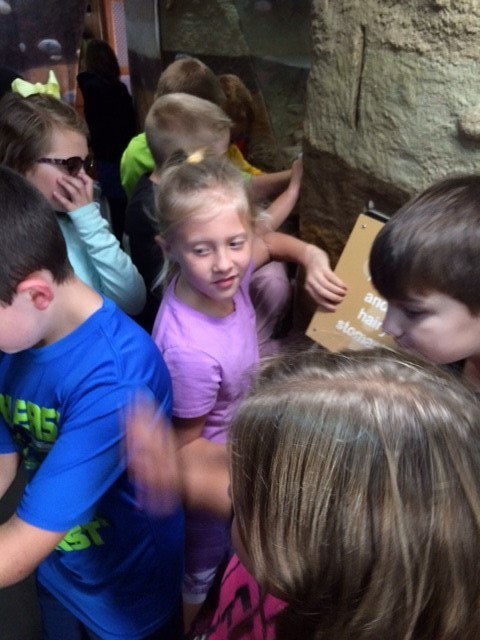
{"points": [[393, 103]]}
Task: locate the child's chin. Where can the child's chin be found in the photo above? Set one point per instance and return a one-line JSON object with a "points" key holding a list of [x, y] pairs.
{"points": [[11, 350]]}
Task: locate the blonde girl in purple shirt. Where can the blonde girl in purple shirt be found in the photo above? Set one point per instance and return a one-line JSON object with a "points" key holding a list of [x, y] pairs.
{"points": [[205, 327]]}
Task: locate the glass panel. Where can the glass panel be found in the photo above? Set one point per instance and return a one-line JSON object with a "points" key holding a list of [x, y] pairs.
{"points": [[38, 36], [266, 43]]}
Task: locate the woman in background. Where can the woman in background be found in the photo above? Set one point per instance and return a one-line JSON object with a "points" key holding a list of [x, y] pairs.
{"points": [[110, 116]]}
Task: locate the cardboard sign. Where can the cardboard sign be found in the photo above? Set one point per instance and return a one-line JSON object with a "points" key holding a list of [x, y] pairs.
{"points": [[357, 322]]}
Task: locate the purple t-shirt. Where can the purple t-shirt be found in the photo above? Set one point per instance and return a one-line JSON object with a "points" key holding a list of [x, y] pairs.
{"points": [[211, 360]]}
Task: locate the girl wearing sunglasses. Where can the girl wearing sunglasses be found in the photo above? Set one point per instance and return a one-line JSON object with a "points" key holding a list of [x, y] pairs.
{"points": [[46, 140]]}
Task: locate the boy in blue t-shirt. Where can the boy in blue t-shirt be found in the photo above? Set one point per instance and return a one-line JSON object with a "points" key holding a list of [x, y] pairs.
{"points": [[425, 262], [70, 363]]}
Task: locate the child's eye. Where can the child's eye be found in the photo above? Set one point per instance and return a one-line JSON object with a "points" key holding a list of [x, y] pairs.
{"points": [[200, 251], [413, 313], [237, 244]]}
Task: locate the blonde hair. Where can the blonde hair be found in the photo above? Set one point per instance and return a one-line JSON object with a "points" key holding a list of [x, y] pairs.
{"points": [[356, 489], [179, 121], [186, 182]]}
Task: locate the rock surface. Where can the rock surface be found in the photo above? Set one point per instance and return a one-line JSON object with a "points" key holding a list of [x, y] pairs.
{"points": [[392, 105]]}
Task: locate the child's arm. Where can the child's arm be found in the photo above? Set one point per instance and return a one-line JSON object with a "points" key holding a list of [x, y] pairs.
{"points": [[204, 468], [269, 185], [23, 549], [205, 477], [23, 546], [188, 429], [9, 463], [281, 207], [196, 472], [320, 281], [119, 278]]}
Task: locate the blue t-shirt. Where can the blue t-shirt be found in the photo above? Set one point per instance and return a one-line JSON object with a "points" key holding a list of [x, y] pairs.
{"points": [[118, 569]]}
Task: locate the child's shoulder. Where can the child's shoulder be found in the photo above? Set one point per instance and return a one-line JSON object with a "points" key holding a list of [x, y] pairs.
{"points": [[108, 343], [137, 144], [103, 359], [237, 158], [122, 333], [144, 188], [177, 324]]}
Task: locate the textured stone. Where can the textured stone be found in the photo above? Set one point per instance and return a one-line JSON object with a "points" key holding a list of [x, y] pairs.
{"points": [[334, 194], [388, 84], [203, 28], [469, 123]]}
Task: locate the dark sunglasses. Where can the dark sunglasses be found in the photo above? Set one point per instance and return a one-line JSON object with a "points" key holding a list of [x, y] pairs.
{"points": [[72, 165]]}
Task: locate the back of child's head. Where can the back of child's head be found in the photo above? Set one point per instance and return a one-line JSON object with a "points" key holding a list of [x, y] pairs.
{"points": [[30, 237], [356, 492], [100, 58], [432, 244], [179, 121], [239, 105], [27, 125], [190, 75]]}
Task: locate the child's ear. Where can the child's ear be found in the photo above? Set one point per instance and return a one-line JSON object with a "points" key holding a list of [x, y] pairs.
{"points": [[164, 245], [38, 290]]}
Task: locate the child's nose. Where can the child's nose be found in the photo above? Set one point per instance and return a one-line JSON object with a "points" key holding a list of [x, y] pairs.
{"points": [[223, 261], [392, 322]]}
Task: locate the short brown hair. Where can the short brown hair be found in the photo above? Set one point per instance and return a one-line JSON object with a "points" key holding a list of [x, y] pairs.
{"points": [[30, 236], [190, 75], [432, 244], [240, 106]]}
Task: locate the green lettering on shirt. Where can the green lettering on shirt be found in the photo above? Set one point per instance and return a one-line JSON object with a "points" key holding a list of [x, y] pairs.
{"points": [[5, 407], [84, 536], [42, 422]]}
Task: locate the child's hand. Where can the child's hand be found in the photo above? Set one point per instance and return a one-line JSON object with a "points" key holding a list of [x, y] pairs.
{"points": [[74, 192], [320, 282], [152, 459], [296, 174]]}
